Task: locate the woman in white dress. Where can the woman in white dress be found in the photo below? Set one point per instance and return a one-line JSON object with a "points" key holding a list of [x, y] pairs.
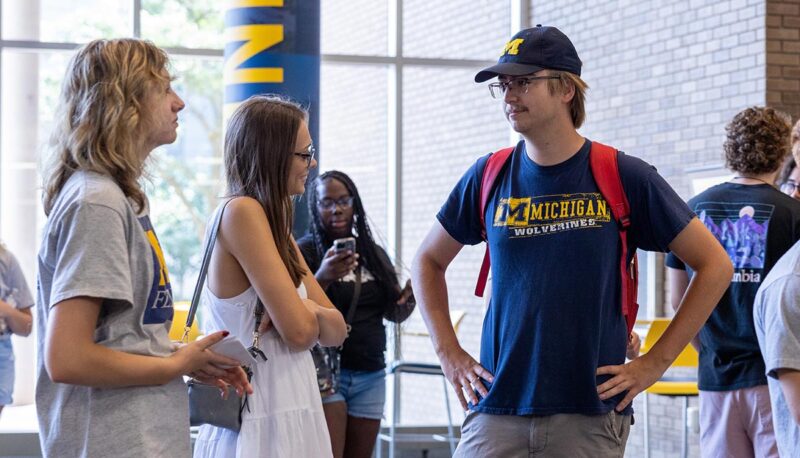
{"points": [[268, 155]]}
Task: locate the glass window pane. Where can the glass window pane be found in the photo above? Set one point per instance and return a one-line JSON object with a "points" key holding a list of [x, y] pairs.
{"points": [[353, 133], [444, 131], [195, 24], [60, 21], [25, 131], [449, 29], [30, 85], [355, 27], [187, 175]]}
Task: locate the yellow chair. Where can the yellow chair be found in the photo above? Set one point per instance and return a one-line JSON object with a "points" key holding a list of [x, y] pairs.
{"points": [[670, 386], [181, 310]]}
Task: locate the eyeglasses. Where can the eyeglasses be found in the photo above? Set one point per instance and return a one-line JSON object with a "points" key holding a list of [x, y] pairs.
{"points": [[308, 154], [790, 187], [517, 85], [330, 204]]}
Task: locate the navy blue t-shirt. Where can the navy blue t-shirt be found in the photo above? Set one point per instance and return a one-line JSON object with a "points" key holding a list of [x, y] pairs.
{"points": [[756, 224], [555, 313]]}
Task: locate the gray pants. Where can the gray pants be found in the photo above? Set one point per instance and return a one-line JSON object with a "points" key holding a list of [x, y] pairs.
{"points": [[561, 435]]}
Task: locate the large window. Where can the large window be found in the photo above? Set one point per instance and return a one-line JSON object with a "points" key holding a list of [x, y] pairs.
{"points": [[401, 114]]}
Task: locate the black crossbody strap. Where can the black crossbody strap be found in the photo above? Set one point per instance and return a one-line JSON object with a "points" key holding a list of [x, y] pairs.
{"points": [[201, 279]]}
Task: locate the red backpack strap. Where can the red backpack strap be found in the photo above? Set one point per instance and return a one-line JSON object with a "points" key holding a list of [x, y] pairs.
{"points": [[494, 165], [605, 169]]}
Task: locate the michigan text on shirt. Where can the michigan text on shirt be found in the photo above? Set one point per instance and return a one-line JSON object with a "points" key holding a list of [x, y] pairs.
{"points": [[542, 215]]}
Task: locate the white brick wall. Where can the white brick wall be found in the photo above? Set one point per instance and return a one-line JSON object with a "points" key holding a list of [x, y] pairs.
{"points": [[449, 122], [455, 29], [665, 77], [354, 27], [353, 132]]}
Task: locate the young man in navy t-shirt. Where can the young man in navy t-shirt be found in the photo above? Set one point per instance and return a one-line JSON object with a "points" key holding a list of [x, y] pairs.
{"points": [[552, 376]]}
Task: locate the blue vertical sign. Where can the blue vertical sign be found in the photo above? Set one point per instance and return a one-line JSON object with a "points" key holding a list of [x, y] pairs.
{"points": [[272, 46]]}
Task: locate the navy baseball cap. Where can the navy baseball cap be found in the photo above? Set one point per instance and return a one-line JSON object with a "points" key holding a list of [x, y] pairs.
{"points": [[534, 49]]}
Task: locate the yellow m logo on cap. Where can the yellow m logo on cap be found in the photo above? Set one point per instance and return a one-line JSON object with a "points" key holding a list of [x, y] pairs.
{"points": [[512, 47]]}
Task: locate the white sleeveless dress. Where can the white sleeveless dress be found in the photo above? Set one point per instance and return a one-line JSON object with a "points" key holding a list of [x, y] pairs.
{"points": [[286, 419]]}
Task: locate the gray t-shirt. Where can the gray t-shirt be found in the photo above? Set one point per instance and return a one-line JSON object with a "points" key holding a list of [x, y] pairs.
{"points": [[776, 315], [13, 287], [94, 244]]}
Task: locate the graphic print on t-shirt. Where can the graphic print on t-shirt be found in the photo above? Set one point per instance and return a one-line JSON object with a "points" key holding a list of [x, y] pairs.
{"points": [[159, 301], [542, 215], [741, 228]]}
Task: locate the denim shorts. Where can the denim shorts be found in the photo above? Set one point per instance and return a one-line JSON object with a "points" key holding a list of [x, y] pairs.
{"points": [[364, 392], [6, 370]]}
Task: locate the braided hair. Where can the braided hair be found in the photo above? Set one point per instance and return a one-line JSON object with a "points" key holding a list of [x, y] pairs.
{"points": [[365, 244]]}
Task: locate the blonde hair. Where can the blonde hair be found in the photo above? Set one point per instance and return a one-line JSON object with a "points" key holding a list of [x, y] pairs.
{"points": [[577, 106], [101, 114]]}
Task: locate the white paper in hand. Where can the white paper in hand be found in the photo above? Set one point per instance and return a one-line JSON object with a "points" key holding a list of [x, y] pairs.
{"points": [[232, 347]]}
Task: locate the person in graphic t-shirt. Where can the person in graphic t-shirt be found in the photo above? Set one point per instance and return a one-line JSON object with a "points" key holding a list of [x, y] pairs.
{"points": [[756, 224], [110, 380], [556, 278]]}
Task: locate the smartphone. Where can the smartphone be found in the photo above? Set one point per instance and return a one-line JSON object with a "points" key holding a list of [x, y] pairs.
{"points": [[344, 244]]}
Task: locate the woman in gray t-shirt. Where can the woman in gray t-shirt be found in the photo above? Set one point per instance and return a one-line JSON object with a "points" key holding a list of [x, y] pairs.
{"points": [[110, 381]]}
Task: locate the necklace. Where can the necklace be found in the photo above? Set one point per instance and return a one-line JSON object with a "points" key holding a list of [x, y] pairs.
{"points": [[751, 178]]}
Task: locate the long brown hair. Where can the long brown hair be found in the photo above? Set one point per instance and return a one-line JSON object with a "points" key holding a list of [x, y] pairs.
{"points": [[101, 113], [259, 145]]}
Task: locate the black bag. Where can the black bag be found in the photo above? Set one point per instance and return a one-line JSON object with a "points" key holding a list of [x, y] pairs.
{"points": [[328, 360], [206, 405]]}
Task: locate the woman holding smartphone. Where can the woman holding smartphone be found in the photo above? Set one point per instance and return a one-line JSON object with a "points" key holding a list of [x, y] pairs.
{"points": [[354, 411]]}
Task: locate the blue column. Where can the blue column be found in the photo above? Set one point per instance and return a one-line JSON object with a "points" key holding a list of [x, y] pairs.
{"points": [[272, 46]]}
